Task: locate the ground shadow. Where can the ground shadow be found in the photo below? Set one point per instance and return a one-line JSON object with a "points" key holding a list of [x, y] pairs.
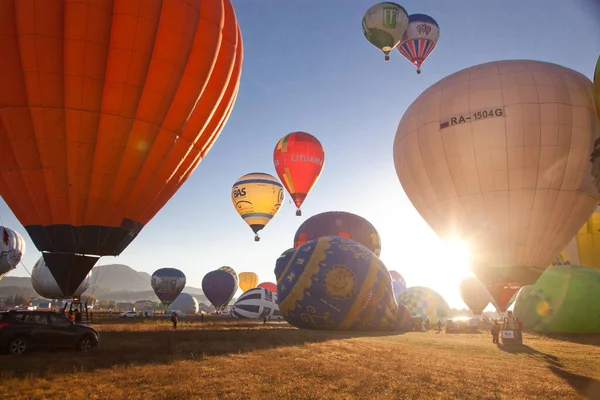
{"points": [[524, 349], [121, 348], [587, 339]]}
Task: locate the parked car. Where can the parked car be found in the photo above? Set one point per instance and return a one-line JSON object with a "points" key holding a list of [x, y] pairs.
{"points": [[21, 331], [129, 314]]}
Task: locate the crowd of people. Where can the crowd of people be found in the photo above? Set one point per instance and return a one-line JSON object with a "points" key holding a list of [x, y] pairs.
{"points": [[509, 323]]}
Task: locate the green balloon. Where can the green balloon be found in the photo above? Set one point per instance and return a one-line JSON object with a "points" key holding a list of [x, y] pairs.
{"points": [[565, 299]]}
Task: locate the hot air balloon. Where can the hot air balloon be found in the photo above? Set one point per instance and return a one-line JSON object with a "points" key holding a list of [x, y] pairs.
{"points": [[45, 285], [12, 248], [255, 303], [298, 158], [257, 197], [185, 303], [339, 223], [395, 275], [219, 287], [597, 86], [565, 299], [399, 287], [479, 157], [339, 284], [232, 272], [474, 295], [97, 138], [247, 280], [584, 248], [167, 283], [425, 302], [384, 25], [420, 39], [269, 286]]}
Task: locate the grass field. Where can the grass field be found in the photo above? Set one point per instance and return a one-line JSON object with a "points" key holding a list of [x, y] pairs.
{"points": [[233, 360]]}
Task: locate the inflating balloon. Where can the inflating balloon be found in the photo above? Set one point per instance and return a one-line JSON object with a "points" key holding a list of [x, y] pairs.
{"points": [[483, 164], [97, 137], [337, 283], [219, 287], [45, 285], [425, 303], [167, 283], [12, 248], [257, 197], [269, 286], [339, 223], [420, 39], [565, 299], [584, 248], [384, 25], [474, 295], [185, 303], [255, 303], [247, 280], [298, 158], [232, 272], [399, 287]]}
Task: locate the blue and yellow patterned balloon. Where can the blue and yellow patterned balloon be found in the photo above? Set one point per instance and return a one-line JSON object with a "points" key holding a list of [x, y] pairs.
{"points": [[336, 283], [425, 302]]}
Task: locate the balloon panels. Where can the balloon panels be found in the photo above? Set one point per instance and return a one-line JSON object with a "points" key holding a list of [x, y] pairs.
{"points": [[565, 299], [247, 280], [426, 303], [12, 248], [398, 287], [232, 272], [420, 38], [96, 139], [337, 283], [339, 223], [255, 303], [45, 285], [384, 25], [495, 155], [185, 303], [298, 158], [257, 198], [219, 287], [167, 283]]}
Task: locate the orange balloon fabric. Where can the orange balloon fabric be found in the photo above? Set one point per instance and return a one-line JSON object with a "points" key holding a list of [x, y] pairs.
{"points": [[106, 108]]}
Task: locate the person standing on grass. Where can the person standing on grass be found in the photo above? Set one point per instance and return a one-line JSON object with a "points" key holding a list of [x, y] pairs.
{"points": [[174, 319], [495, 332], [202, 317]]}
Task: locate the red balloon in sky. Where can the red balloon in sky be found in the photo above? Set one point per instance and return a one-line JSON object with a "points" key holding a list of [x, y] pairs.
{"points": [[269, 286], [298, 159]]}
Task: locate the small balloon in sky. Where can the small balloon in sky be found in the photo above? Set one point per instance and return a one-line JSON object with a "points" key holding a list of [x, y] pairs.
{"points": [[384, 25]]}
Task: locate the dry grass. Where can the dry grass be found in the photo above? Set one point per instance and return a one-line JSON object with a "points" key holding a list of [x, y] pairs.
{"points": [[219, 359]]}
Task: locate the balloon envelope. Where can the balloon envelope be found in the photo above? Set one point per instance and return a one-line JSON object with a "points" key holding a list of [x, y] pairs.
{"points": [[565, 299], [185, 303], [339, 223], [597, 86], [257, 197], [167, 283], [269, 286], [247, 280], [337, 283], [298, 158], [12, 248], [219, 287], [420, 39], [255, 303], [426, 303], [479, 157], [399, 287], [97, 138], [45, 285], [584, 248], [232, 272], [384, 25], [474, 295]]}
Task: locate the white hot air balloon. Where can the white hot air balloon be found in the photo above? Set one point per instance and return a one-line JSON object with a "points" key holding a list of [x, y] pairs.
{"points": [[499, 155], [45, 285], [256, 303], [12, 248], [186, 303]]}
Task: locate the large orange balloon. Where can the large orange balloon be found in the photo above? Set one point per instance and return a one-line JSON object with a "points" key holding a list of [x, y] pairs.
{"points": [[106, 108], [499, 155]]}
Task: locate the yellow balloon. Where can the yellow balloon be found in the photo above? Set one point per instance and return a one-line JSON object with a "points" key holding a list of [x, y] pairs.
{"points": [[257, 197], [584, 248], [248, 280]]}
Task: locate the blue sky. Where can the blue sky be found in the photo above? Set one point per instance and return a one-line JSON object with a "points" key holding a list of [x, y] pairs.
{"points": [[307, 66]]}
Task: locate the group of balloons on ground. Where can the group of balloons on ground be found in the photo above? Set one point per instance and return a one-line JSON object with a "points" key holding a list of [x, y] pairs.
{"points": [[504, 155]]}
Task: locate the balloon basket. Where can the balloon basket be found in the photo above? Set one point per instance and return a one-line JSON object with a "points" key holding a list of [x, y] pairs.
{"points": [[418, 71], [511, 337], [298, 213], [387, 57], [257, 238]]}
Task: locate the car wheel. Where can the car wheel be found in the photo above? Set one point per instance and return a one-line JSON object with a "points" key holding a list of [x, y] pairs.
{"points": [[18, 345], [85, 344]]}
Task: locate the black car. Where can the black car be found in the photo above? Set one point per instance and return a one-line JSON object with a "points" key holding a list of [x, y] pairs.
{"points": [[21, 331]]}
